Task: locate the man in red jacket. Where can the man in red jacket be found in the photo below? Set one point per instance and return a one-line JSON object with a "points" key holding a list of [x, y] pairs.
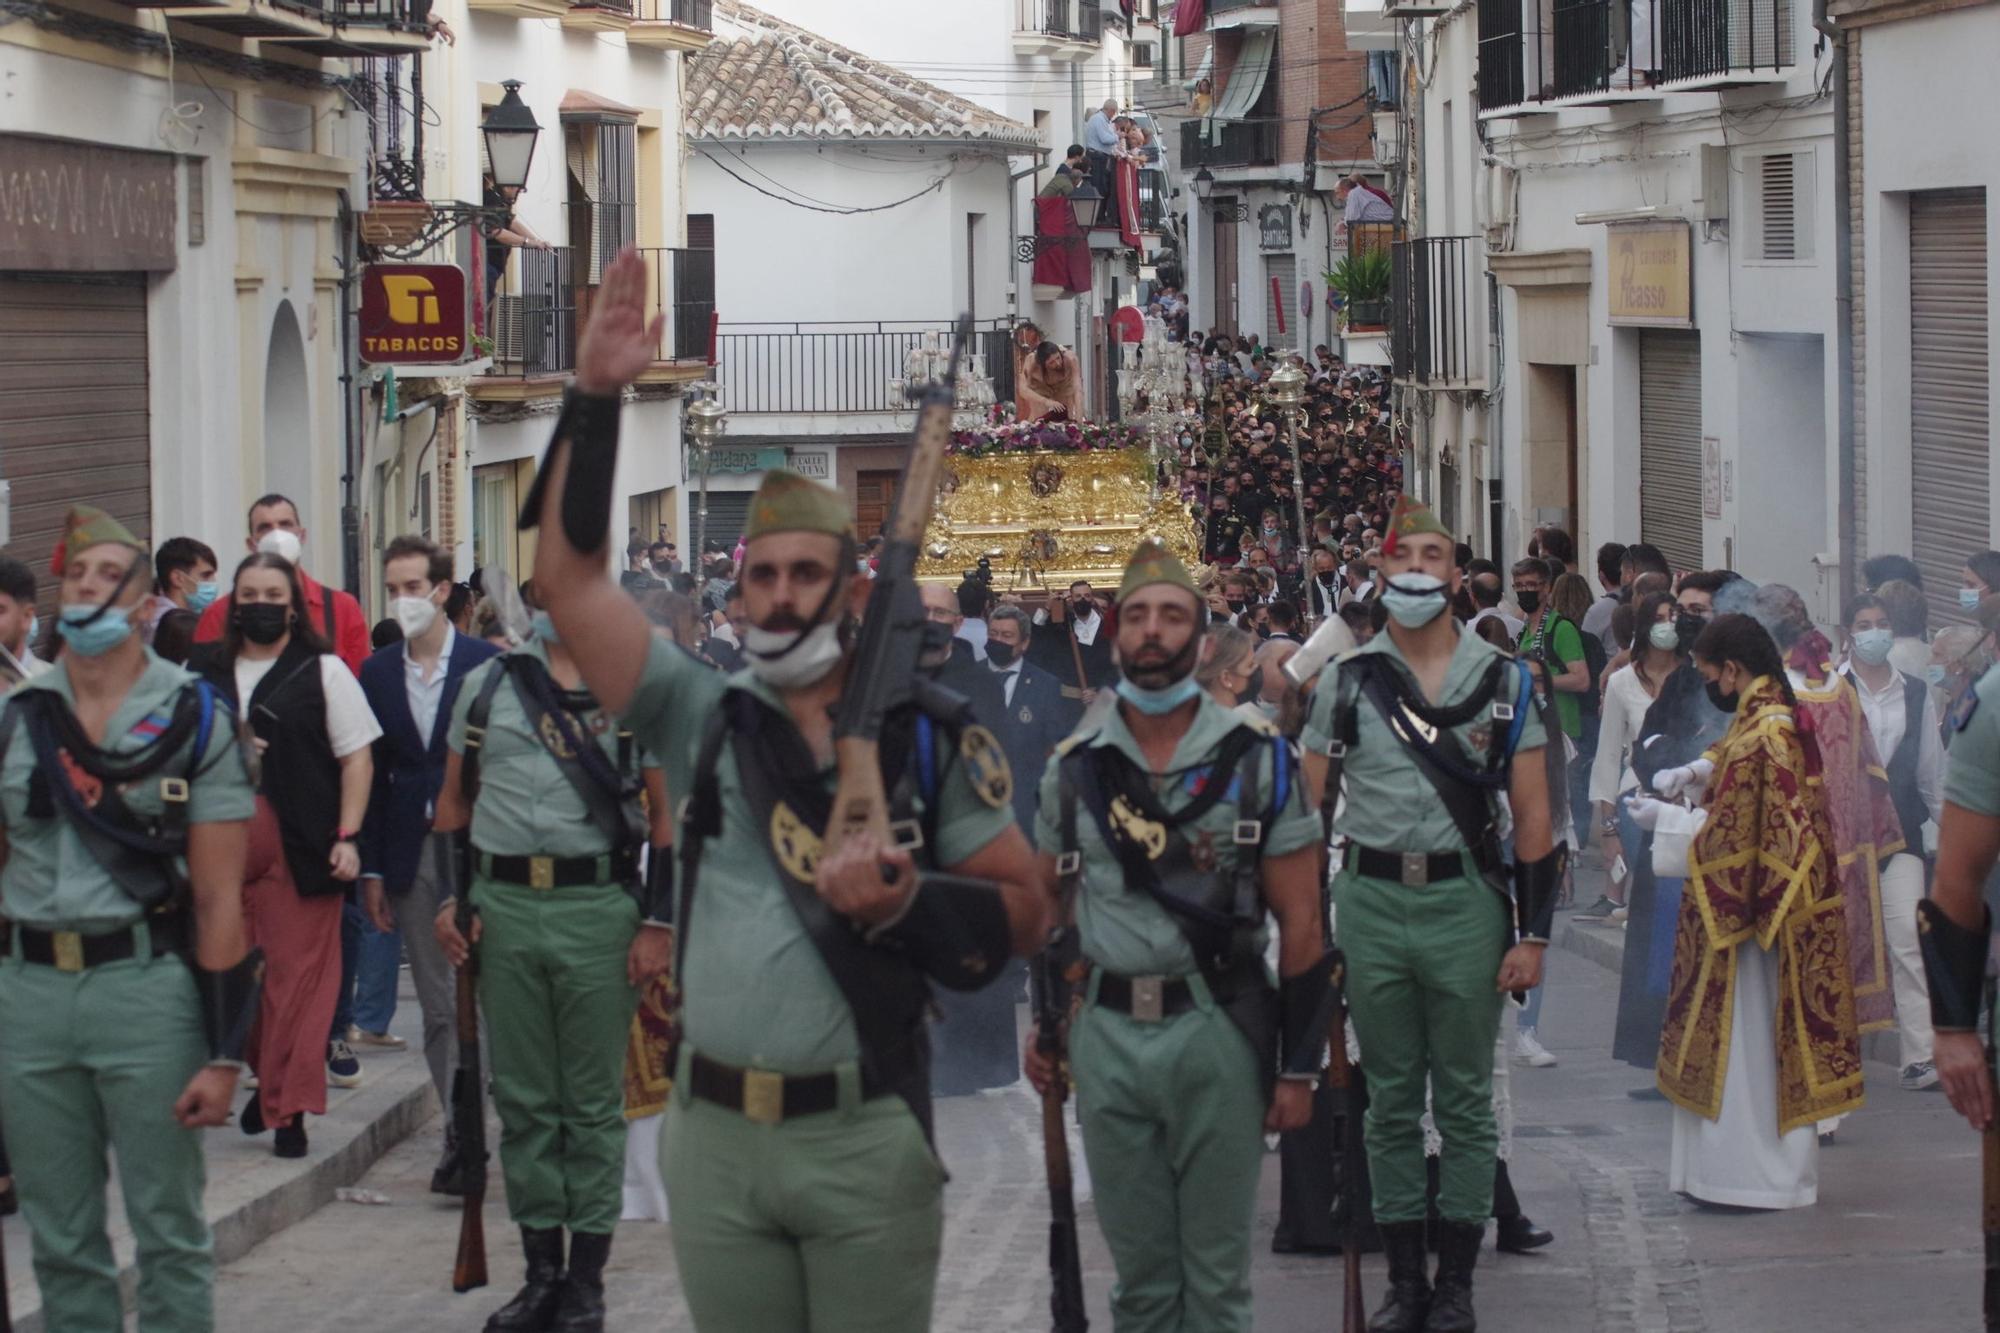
{"points": [[274, 527]]}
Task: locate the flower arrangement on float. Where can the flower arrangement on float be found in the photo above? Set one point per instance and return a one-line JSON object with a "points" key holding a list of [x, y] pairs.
{"points": [[1051, 434]]}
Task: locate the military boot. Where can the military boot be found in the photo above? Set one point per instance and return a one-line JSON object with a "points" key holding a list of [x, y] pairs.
{"points": [[582, 1309], [1451, 1303], [533, 1309], [1409, 1297]]}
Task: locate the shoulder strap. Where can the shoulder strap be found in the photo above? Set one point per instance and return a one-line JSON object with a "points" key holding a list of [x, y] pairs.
{"points": [[701, 819], [1470, 808], [607, 796], [476, 715]]}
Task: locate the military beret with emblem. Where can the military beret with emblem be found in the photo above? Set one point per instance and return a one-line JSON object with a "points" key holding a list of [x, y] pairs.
{"points": [[88, 526], [1153, 563], [788, 502]]}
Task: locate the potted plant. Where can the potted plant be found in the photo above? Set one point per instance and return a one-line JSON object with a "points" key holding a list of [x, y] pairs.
{"points": [[1362, 279]]}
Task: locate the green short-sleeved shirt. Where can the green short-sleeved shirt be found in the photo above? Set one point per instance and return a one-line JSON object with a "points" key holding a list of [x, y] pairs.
{"points": [[755, 992], [526, 806], [1390, 804], [1121, 928], [1972, 764], [51, 880], [1565, 648]]}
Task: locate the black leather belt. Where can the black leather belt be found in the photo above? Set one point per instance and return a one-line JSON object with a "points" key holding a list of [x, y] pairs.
{"points": [[763, 1097], [1148, 999], [68, 951], [1411, 869], [558, 872]]}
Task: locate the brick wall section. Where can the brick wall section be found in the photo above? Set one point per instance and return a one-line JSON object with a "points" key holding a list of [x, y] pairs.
{"points": [[1857, 307]]}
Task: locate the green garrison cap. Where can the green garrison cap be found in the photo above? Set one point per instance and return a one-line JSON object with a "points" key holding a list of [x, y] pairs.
{"points": [[788, 502], [1411, 518], [88, 526], [1154, 563]]}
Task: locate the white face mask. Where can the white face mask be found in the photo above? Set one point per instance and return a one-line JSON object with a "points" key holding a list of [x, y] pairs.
{"points": [[414, 614], [814, 656], [281, 543]]}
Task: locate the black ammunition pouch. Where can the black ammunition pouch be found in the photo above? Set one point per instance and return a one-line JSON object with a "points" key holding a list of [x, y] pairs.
{"points": [[229, 1004], [1954, 966], [1308, 1002], [1536, 887], [955, 930]]}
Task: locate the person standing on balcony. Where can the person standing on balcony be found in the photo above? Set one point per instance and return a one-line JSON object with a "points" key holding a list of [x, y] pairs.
{"points": [[1102, 143], [503, 231], [1361, 202]]}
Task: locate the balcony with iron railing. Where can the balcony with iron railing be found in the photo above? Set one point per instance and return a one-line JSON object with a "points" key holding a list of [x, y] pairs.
{"points": [[544, 300], [832, 367], [672, 25], [1229, 143], [1543, 55], [1437, 312], [1065, 29], [600, 15]]}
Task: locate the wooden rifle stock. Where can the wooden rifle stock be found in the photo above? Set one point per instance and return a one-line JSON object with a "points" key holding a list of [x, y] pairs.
{"points": [[1065, 1262], [468, 1114], [1989, 1164]]}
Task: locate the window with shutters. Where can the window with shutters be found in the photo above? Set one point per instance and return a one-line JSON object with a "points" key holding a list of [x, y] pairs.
{"points": [[1780, 204], [602, 159], [701, 231]]}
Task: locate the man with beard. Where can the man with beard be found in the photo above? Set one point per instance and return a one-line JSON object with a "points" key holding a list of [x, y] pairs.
{"points": [[805, 1193], [1432, 936], [1070, 638], [1170, 828]]}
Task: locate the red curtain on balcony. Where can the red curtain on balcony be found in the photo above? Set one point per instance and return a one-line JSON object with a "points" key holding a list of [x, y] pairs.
{"points": [[1126, 183], [1063, 258], [1189, 15]]}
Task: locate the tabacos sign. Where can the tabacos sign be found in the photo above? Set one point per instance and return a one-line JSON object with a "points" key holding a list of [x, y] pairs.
{"points": [[413, 314]]}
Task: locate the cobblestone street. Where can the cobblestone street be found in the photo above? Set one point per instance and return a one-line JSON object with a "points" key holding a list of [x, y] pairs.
{"points": [[1892, 1244]]}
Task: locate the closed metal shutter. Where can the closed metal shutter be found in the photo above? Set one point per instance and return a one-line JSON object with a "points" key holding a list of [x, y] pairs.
{"points": [[1950, 502], [74, 425], [1670, 444], [1281, 302], [728, 516]]}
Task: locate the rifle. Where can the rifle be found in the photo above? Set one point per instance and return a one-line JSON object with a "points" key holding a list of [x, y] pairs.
{"points": [[1989, 1162], [468, 1118], [1065, 1263], [1340, 1078], [884, 668]]}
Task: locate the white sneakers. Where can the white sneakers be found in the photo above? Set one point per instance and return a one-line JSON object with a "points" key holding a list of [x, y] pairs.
{"points": [[1529, 1051]]}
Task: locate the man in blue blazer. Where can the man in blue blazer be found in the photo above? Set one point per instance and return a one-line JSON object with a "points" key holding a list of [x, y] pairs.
{"points": [[1035, 713], [411, 686]]}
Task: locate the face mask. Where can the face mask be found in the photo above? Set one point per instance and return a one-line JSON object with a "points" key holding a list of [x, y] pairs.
{"points": [[1235, 603], [1530, 601], [1872, 646], [414, 614], [1253, 685], [543, 627], [1085, 611], [1155, 702], [1263, 631], [263, 622], [999, 654], [203, 596], [1689, 626], [1415, 600], [1664, 635], [1934, 673], [93, 631], [1726, 702], [285, 545], [1968, 597], [787, 659]]}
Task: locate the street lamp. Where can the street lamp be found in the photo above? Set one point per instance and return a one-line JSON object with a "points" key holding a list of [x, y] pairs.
{"points": [[706, 420], [1204, 184], [1083, 203], [1286, 389], [511, 130]]}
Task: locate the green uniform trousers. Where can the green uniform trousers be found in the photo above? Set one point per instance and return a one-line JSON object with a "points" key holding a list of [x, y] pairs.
{"points": [[558, 1013], [91, 1061], [1173, 1130], [825, 1223], [1421, 964]]}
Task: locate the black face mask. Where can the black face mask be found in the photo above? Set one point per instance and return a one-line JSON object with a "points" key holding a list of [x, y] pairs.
{"points": [[1234, 603], [1263, 631], [1688, 627], [999, 654], [1253, 686], [1726, 702], [263, 622], [1531, 602]]}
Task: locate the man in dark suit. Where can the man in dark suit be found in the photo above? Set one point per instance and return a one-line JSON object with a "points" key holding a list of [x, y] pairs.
{"points": [[1035, 712], [1072, 630], [411, 686]]}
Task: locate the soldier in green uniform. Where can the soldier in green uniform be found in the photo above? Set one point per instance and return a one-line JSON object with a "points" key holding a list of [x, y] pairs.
{"points": [[1171, 828], [551, 791], [805, 1193], [1955, 923], [125, 985], [1426, 726]]}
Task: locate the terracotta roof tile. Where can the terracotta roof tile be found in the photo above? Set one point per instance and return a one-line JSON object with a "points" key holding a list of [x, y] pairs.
{"points": [[763, 78]]}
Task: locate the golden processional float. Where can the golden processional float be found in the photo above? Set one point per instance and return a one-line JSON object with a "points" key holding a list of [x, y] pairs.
{"points": [[1049, 501]]}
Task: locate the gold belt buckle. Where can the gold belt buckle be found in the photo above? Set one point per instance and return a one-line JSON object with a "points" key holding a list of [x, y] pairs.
{"points": [[69, 950], [763, 1097], [541, 872], [1416, 870], [1149, 999]]}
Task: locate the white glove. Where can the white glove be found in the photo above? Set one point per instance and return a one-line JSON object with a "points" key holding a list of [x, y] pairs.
{"points": [[1646, 811], [1687, 778]]}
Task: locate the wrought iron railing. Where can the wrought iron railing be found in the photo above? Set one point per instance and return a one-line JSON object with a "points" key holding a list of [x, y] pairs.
{"points": [[414, 15], [544, 302], [1550, 50], [1153, 191], [687, 13], [839, 366], [1080, 19], [1436, 313], [1705, 38], [691, 298], [1229, 143]]}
